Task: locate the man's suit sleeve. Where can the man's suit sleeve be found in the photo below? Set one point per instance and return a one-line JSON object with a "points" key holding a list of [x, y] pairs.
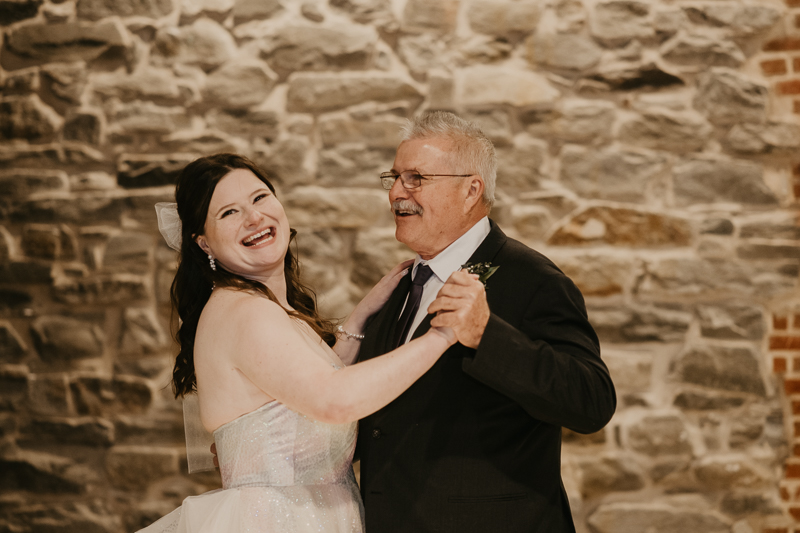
{"points": [[550, 363]]}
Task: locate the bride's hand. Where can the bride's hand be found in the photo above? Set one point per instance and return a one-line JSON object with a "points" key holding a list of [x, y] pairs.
{"points": [[380, 293]]}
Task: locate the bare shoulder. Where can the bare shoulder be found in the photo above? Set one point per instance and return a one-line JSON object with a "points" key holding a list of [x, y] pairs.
{"points": [[244, 307]]}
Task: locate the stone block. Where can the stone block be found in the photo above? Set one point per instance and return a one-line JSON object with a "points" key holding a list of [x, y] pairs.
{"points": [[705, 401], [130, 252], [253, 123], [611, 174], [353, 165], [728, 97], [531, 221], [82, 431], [720, 367], [286, 161], [596, 274], [99, 396], [212, 8], [740, 19], [656, 435], [92, 516], [150, 83], [375, 132], [716, 226], [144, 170], [323, 257], [483, 85], [639, 324], [564, 51], [634, 516], [135, 467], [27, 271], [604, 474], [768, 251], [13, 387], [506, 18], [667, 129], [19, 183], [703, 180], [732, 321], [68, 41], [315, 92], [49, 241], [584, 121], [27, 117], [12, 347], [305, 47], [430, 15], [376, 252], [204, 44], [780, 225], [85, 126], [137, 118], [66, 81], [103, 289], [42, 473], [495, 123], [704, 50], [423, 53], [742, 503], [317, 207], [240, 84], [731, 471], [142, 332], [22, 81], [519, 166], [630, 75], [164, 429], [618, 22], [631, 370], [246, 10], [98, 9], [778, 138], [621, 227], [60, 338], [12, 11]]}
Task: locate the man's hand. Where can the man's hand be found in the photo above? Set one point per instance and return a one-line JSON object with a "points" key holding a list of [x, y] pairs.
{"points": [[461, 305]]}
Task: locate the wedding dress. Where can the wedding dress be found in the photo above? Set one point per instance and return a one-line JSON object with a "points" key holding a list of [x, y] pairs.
{"points": [[282, 472]]}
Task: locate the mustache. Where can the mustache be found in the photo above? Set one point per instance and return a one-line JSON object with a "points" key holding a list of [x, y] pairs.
{"points": [[406, 207]]}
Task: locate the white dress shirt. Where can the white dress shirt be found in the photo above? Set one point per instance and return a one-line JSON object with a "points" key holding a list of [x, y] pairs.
{"points": [[445, 263]]}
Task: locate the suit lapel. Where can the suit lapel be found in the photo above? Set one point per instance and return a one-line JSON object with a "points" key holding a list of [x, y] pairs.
{"points": [[391, 312], [492, 244]]}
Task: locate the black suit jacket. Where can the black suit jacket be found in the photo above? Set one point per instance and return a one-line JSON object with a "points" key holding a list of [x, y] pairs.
{"points": [[475, 444]]}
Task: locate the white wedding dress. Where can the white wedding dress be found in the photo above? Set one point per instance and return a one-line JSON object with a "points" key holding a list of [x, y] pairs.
{"points": [[282, 472]]}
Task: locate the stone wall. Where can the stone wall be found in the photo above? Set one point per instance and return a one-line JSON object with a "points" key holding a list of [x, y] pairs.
{"points": [[650, 148]]}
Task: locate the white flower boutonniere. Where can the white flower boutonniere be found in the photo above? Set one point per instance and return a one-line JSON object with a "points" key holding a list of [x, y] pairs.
{"points": [[483, 270]]}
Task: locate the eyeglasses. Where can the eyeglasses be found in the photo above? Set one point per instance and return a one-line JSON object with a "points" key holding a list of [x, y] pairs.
{"points": [[411, 179]]}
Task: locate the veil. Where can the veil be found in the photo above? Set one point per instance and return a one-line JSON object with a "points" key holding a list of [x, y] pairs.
{"points": [[198, 440]]}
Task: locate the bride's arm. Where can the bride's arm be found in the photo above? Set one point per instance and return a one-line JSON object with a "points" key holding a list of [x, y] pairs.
{"points": [[346, 347], [272, 354]]}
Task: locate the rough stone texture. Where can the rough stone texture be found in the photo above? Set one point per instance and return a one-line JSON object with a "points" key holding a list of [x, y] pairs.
{"points": [[205, 44], [340, 208], [563, 51], [142, 332], [98, 9], [520, 165], [376, 252], [59, 338], [595, 274], [506, 18], [133, 467], [773, 138], [623, 516], [720, 367], [617, 22], [378, 132], [611, 174], [584, 121], [12, 11], [308, 47], [700, 180], [732, 322], [316, 92], [239, 85], [742, 19], [660, 435], [68, 41], [621, 227], [666, 129], [12, 347], [686, 49], [436, 15], [728, 98], [604, 474], [244, 10], [27, 117], [638, 324], [489, 85], [46, 241], [724, 472], [143, 170]]}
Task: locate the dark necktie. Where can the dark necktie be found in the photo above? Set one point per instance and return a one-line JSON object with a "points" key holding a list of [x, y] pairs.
{"points": [[424, 272]]}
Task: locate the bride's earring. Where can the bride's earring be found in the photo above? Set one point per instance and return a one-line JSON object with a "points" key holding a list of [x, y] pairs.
{"points": [[212, 263]]}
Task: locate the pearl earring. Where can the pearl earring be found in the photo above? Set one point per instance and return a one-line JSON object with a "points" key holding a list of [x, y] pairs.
{"points": [[212, 263]]}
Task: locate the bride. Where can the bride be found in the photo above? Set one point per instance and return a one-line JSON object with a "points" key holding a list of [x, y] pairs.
{"points": [[275, 381]]}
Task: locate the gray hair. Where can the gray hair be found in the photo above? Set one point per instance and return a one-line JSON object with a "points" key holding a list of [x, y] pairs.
{"points": [[472, 152]]}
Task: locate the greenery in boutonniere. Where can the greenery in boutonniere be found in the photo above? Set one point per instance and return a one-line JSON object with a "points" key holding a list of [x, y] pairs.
{"points": [[483, 270]]}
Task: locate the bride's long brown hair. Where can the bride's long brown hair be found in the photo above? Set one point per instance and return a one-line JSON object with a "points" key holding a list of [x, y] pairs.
{"points": [[194, 279]]}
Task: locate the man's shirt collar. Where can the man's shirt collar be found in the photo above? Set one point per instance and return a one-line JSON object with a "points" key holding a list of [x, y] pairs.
{"points": [[451, 258]]}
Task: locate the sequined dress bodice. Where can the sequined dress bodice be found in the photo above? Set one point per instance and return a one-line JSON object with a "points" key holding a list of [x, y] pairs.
{"points": [[301, 451], [282, 472]]}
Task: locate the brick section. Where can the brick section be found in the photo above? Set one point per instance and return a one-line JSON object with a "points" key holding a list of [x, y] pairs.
{"points": [[796, 322], [780, 322], [796, 64], [776, 530], [797, 21], [793, 3], [781, 45], [797, 185], [796, 364], [780, 342], [796, 407], [797, 434], [792, 386], [788, 87], [793, 470], [773, 67], [779, 365]]}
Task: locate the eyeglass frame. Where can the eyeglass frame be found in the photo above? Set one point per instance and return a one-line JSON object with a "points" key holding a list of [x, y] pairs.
{"points": [[389, 174]]}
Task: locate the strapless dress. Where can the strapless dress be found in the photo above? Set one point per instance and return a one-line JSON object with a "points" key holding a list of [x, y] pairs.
{"points": [[282, 472]]}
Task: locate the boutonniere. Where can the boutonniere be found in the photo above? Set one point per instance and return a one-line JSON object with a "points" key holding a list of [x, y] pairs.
{"points": [[483, 270]]}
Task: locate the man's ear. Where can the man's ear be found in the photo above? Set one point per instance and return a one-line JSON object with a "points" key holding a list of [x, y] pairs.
{"points": [[475, 192], [201, 242]]}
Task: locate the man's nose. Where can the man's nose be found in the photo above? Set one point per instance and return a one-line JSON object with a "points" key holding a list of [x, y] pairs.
{"points": [[397, 191]]}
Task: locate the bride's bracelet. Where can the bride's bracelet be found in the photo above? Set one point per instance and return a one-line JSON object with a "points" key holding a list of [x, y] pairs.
{"points": [[355, 336]]}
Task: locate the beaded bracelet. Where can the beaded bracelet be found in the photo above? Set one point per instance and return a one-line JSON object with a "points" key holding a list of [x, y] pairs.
{"points": [[349, 335]]}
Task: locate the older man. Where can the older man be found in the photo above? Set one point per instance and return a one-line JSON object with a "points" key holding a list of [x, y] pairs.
{"points": [[474, 445]]}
